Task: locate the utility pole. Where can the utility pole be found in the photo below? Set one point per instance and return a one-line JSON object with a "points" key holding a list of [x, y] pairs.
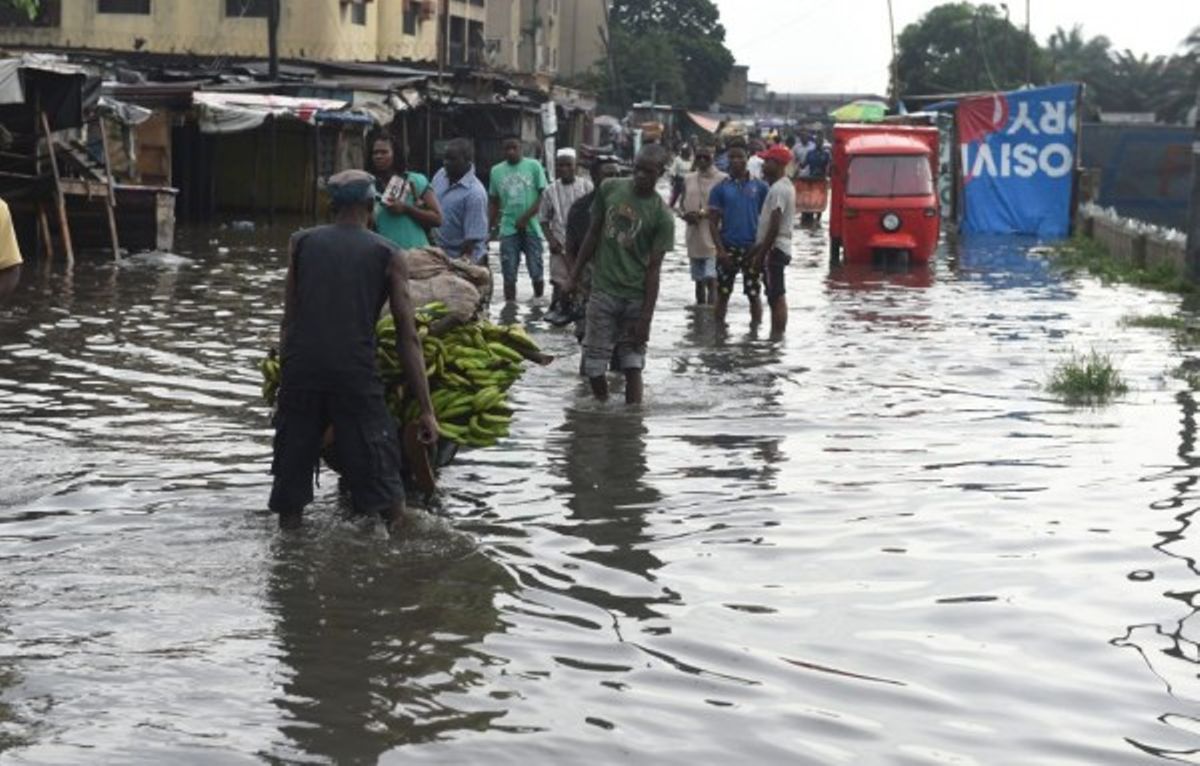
{"points": [[895, 63], [606, 37], [1028, 48], [273, 38], [1193, 239]]}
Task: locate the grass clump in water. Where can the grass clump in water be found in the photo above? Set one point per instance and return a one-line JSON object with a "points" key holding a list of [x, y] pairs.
{"points": [[1155, 322], [1083, 254], [1089, 378]]}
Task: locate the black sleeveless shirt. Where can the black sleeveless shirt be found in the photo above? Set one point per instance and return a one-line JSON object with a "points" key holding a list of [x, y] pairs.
{"points": [[341, 278]]}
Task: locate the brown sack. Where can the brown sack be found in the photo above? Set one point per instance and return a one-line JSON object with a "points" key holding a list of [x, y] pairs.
{"points": [[460, 296]]}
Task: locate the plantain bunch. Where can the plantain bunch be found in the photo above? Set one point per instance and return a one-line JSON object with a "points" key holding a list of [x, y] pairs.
{"points": [[470, 369]]}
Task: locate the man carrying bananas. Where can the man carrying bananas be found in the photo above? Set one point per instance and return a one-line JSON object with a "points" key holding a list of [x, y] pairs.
{"points": [[631, 232], [338, 278]]}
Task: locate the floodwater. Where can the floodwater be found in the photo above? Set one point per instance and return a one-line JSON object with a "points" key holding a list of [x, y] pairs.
{"points": [[877, 541]]}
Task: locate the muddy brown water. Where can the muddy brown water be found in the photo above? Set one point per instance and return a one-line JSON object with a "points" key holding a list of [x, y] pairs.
{"points": [[877, 541]]}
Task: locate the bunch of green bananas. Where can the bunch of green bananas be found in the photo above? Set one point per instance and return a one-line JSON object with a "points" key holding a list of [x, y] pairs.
{"points": [[470, 369]]}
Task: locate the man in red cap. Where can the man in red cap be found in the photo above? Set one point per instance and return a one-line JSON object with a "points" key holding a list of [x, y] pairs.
{"points": [[772, 250]]}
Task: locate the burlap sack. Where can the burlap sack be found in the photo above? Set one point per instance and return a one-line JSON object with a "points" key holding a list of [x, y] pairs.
{"points": [[428, 262], [460, 296]]}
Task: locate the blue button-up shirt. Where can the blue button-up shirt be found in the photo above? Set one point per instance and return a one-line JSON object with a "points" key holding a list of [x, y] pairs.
{"points": [[464, 213]]}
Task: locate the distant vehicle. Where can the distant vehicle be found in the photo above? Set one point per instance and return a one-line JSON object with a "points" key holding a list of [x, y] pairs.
{"points": [[884, 196]]}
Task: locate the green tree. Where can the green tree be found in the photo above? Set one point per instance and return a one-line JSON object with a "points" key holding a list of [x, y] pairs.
{"points": [[30, 7], [1072, 58], [705, 64], [648, 66], [960, 47], [678, 45], [678, 17]]}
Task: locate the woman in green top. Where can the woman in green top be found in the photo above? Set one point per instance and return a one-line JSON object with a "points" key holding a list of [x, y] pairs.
{"points": [[406, 204]]}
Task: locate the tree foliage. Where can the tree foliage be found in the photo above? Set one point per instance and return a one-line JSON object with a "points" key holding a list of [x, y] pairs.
{"points": [[693, 18], [673, 49], [1122, 81], [647, 65], [29, 7], [960, 47]]}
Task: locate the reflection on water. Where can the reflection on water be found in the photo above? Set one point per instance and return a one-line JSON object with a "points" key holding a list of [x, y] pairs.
{"points": [[374, 652], [603, 459], [877, 540]]}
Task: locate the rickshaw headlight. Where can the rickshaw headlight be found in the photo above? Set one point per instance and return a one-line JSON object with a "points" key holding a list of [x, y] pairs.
{"points": [[890, 222]]}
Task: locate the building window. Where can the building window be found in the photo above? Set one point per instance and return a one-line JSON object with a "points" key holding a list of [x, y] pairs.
{"points": [[358, 14], [458, 40], [246, 9], [410, 19], [139, 7]]}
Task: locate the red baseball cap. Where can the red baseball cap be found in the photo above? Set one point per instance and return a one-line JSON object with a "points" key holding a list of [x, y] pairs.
{"points": [[778, 152]]}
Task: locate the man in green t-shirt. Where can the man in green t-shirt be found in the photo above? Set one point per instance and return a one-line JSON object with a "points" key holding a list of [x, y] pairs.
{"points": [[632, 230], [515, 189]]}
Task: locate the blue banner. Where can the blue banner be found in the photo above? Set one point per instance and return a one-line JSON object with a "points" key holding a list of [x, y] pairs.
{"points": [[1018, 161]]}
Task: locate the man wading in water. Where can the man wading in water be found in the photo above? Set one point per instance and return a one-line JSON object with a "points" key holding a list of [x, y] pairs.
{"points": [[772, 250], [631, 232], [338, 278], [734, 206]]}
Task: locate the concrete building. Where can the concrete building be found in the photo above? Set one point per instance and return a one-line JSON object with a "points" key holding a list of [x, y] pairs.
{"points": [[333, 30], [735, 95], [523, 36], [463, 43], [582, 30]]}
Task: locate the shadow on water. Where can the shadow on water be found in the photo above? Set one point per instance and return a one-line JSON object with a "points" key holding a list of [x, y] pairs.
{"points": [[376, 654]]}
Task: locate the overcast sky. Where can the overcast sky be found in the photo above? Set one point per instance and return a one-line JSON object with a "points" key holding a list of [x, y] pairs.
{"points": [[842, 46]]}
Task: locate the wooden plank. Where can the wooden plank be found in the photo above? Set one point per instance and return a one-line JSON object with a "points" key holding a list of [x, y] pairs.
{"points": [[63, 223], [111, 203], [82, 187]]}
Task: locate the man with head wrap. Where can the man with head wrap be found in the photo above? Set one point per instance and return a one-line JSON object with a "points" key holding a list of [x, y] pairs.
{"points": [[338, 278], [566, 190]]}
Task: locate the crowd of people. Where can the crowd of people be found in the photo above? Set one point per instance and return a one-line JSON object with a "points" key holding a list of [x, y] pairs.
{"points": [[607, 237], [737, 203]]}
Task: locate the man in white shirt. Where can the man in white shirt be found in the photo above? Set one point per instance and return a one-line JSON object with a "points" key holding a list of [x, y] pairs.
{"points": [[556, 205], [693, 204], [755, 164], [773, 244]]}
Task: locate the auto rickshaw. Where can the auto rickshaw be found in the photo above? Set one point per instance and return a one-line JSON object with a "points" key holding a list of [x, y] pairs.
{"points": [[884, 195]]}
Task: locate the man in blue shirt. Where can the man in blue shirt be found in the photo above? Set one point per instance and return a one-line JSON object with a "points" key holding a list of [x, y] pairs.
{"points": [[464, 202], [734, 206]]}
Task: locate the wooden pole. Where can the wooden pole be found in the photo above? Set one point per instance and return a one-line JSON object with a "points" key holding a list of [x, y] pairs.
{"points": [[111, 202], [273, 171], [61, 200], [273, 40], [316, 173], [44, 231]]}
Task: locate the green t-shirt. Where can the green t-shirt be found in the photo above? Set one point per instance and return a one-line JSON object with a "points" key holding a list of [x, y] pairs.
{"points": [[517, 187], [402, 229], [634, 228]]}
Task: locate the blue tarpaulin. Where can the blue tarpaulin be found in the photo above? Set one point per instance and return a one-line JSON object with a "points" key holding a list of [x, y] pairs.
{"points": [[1018, 160]]}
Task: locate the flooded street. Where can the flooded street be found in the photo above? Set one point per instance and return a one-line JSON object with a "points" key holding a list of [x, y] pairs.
{"points": [[878, 541]]}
